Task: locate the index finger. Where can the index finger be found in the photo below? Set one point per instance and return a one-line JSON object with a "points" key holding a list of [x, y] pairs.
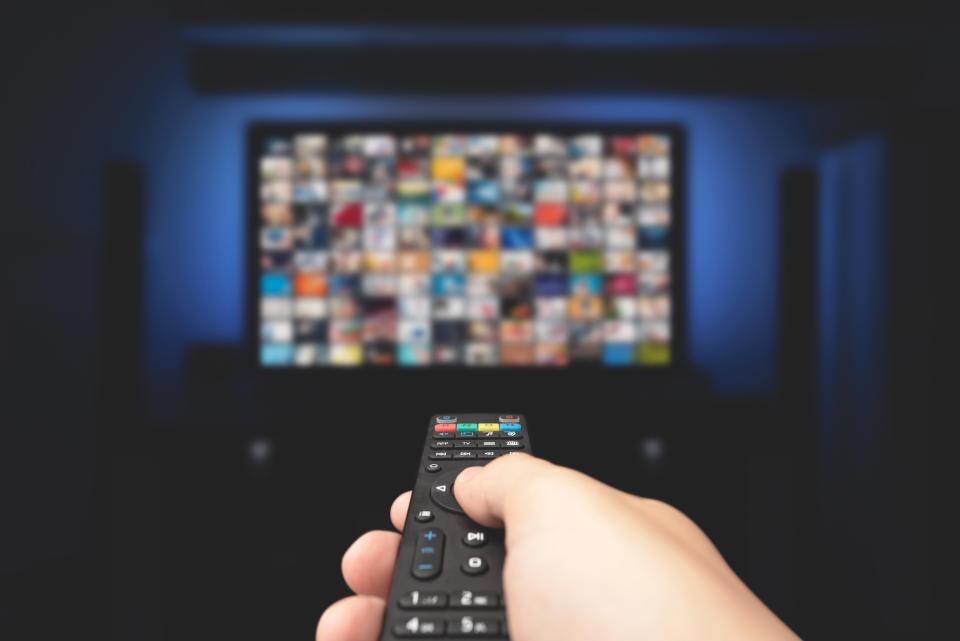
{"points": [[398, 511]]}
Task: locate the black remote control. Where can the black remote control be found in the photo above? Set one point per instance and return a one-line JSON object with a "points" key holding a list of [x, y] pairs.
{"points": [[448, 580]]}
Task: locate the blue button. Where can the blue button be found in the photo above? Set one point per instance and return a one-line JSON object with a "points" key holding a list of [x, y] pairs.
{"points": [[431, 535], [509, 427], [425, 566], [427, 550]]}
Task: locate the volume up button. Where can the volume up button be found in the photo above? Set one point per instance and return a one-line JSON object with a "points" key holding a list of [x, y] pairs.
{"points": [[428, 555]]}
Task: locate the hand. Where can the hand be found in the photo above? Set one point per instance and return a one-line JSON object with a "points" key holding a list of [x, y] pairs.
{"points": [[584, 561]]}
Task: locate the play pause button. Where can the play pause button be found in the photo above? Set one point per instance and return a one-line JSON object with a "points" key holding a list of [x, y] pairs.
{"points": [[475, 538]]}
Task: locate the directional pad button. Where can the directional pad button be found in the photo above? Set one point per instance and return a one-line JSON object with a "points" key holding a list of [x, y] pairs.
{"points": [[441, 492]]}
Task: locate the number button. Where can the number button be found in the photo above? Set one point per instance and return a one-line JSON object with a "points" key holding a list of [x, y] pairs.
{"points": [[468, 626], [471, 599], [419, 627], [418, 599]]}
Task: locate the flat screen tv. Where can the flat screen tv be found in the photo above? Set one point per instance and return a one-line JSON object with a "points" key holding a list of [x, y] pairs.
{"points": [[418, 246]]}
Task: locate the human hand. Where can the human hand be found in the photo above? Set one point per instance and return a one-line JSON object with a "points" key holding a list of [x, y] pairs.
{"points": [[583, 561]]}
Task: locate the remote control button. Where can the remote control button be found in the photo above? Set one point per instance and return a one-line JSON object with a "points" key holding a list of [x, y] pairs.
{"points": [[488, 427], [433, 467], [509, 418], [464, 454], [475, 538], [424, 516], [466, 435], [440, 455], [513, 435], [426, 600], [488, 454], [428, 555], [441, 492], [440, 435], [441, 445], [466, 427], [446, 418], [468, 626], [510, 427], [474, 565], [471, 599], [418, 627], [489, 444], [464, 443], [512, 445], [444, 428]]}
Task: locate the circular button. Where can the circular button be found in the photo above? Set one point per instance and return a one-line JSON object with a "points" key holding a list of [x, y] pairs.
{"points": [[433, 467], [474, 565], [424, 515], [441, 492], [475, 538]]}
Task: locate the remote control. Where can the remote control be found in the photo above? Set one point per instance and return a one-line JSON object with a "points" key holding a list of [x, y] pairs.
{"points": [[448, 580]]}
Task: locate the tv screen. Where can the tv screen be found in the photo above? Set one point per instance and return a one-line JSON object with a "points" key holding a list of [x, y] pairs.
{"points": [[463, 248]]}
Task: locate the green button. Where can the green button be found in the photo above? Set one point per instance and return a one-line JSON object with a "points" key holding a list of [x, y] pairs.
{"points": [[466, 427]]}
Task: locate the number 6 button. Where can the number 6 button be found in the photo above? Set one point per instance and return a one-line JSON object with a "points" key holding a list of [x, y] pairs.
{"points": [[474, 565]]}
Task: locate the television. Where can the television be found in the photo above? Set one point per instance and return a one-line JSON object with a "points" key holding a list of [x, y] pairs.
{"points": [[423, 246]]}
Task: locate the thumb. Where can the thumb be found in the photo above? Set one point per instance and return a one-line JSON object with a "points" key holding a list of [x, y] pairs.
{"points": [[495, 493]]}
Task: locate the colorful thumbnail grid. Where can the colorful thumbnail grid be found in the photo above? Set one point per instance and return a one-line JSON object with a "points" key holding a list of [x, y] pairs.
{"points": [[465, 249]]}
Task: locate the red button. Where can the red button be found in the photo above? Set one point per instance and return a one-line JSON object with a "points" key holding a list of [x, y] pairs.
{"points": [[445, 427]]}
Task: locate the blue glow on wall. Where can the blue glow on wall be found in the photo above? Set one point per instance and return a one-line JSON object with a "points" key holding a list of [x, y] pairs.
{"points": [[193, 148]]}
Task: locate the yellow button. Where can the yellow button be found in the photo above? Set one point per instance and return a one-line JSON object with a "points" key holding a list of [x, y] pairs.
{"points": [[489, 427]]}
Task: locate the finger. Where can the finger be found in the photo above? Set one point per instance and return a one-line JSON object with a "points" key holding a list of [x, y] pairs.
{"points": [[398, 511], [368, 564], [355, 618], [489, 494]]}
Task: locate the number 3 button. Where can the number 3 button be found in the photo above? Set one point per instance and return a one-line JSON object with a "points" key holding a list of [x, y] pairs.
{"points": [[474, 565]]}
